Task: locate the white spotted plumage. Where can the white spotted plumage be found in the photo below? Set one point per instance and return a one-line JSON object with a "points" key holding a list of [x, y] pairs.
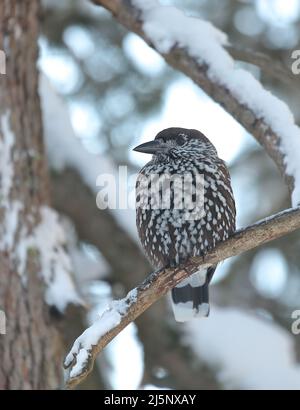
{"points": [[167, 236]]}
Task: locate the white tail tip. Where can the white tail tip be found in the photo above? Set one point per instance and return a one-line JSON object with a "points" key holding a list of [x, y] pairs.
{"points": [[184, 312]]}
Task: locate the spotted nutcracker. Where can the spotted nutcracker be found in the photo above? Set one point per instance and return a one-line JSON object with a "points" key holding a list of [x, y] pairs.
{"points": [[175, 223]]}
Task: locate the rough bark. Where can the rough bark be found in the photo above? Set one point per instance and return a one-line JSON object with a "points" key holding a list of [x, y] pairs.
{"points": [[30, 349]]}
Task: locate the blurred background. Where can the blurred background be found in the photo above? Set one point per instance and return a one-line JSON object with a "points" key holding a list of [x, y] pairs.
{"points": [[104, 91]]}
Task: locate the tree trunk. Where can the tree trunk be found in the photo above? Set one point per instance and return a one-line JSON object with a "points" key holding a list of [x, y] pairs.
{"points": [[30, 349]]}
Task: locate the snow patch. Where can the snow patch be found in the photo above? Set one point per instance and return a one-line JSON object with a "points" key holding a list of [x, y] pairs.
{"points": [[168, 27], [11, 208], [6, 146], [10, 224], [48, 239], [55, 263]]}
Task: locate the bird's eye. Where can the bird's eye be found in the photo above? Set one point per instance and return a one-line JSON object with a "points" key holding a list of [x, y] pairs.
{"points": [[180, 140]]}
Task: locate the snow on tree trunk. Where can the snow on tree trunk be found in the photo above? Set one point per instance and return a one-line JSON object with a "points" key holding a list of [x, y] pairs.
{"points": [[30, 351]]}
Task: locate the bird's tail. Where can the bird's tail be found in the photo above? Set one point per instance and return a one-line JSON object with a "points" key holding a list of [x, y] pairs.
{"points": [[190, 299]]}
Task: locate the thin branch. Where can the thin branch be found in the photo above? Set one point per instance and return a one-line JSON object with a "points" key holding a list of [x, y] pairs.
{"points": [[81, 358], [273, 68], [179, 58]]}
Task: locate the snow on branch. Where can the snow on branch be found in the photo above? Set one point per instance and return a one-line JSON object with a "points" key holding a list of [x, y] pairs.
{"points": [[198, 49], [120, 313]]}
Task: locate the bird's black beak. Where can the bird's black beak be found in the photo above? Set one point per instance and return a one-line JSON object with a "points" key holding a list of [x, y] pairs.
{"points": [[152, 147]]}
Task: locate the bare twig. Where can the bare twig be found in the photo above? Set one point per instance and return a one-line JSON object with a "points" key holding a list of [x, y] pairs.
{"points": [[273, 68], [128, 15], [119, 315]]}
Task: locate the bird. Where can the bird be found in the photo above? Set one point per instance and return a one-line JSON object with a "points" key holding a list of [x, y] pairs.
{"points": [[175, 223]]}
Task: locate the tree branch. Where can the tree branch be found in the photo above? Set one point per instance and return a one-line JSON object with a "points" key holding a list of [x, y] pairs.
{"points": [[275, 69], [81, 358], [180, 58]]}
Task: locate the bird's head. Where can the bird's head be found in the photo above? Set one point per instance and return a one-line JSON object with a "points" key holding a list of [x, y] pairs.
{"points": [[177, 143]]}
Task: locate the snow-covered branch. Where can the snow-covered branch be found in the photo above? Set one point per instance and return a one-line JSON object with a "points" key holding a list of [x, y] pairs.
{"points": [[120, 313], [198, 49]]}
